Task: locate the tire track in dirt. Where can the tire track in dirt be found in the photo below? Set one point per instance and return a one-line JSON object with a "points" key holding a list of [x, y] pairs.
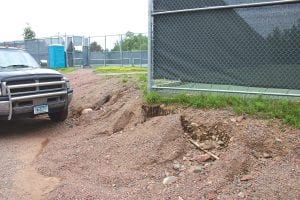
{"points": [[21, 142], [28, 183]]}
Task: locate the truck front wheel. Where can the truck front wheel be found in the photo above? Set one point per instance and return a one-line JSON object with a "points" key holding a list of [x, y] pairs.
{"points": [[59, 116]]}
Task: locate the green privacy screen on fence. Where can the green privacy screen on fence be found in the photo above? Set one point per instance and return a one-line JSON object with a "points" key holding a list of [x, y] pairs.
{"points": [[227, 42]]}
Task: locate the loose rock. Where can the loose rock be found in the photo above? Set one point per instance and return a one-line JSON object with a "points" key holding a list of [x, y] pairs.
{"points": [[246, 178], [169, 180], [182, 168], [240, 118], [194, 124], [208, 145], [266, 155], [86, 111], [176, 165], [233, 120], [241, 195], [196, 169], [202, 158]]}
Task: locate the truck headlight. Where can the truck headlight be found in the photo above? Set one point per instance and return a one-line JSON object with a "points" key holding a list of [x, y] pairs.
{"points": [[67, 82], [68, 85]]}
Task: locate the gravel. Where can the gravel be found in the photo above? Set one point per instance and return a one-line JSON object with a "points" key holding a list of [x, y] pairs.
{"points": [[125, 149]]}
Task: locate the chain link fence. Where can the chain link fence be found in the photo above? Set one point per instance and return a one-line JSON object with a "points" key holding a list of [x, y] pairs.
{"points": [[125, 50], [231, 46], [38, 48], [128, 49]]}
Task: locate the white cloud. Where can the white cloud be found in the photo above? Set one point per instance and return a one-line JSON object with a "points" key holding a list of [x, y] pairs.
{"points": [[89, 17]]}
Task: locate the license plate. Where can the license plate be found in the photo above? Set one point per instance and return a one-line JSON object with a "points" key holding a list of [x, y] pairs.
{"points": [[40, 109]]}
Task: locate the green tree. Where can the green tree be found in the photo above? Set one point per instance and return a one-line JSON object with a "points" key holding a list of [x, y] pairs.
{"points": [[132, 42], [28, 33], [94, 46]]}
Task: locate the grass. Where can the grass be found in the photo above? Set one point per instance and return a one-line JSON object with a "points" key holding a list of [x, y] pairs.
{"points": [[139, 79], [287, 111], [118, 69], [67, 70]]}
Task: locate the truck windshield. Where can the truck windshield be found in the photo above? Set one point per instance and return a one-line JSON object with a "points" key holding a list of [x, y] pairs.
{"points": [[11, 58]]}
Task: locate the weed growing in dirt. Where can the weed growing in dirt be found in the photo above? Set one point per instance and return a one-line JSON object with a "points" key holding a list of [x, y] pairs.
{"points": [[142, 83], [116, 69], [287, 111], [67, 70], [125, 79]]}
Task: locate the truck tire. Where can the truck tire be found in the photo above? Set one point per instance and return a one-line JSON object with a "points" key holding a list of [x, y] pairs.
{"points": [[59, 116]]}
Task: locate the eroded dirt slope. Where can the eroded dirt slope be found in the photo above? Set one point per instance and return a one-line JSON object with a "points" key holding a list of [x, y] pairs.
{"points": [[123, 149]]}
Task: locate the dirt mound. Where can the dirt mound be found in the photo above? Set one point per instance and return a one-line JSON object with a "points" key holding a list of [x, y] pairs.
{"points": [[124, 149], [262, 141], [118, 161]]}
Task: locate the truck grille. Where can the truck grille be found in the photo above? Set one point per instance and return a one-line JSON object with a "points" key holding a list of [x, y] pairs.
{"points": [[39, 85], [26, 92]]}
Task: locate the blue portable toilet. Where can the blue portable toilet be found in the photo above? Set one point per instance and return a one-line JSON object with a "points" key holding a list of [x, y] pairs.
{"points": [[56, 56]]}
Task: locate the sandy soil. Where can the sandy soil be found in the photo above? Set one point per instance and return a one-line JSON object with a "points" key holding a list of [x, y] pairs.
{"points": [[124, 149]]}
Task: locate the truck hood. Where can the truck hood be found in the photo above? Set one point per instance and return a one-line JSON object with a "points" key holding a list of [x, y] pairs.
{"points": [[38, 72]]}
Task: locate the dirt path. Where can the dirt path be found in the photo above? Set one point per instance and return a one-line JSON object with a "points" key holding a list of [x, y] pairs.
{"points": [[22, 141], [124, 149], [28, 183]]}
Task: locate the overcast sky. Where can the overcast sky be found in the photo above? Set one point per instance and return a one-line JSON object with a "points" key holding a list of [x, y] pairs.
{"points": [[88, 17]]}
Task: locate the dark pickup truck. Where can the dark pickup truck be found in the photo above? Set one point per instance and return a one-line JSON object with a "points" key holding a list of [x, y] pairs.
{"points": [[27, 90]]}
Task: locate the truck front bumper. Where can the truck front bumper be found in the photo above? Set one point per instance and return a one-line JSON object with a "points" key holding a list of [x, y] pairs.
{"points": [[4, 107], [55, 101]]}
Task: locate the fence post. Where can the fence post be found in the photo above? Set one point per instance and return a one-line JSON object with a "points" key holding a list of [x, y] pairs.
{"points": [[82, 54], [150, 23], [141, 62], [121, 50], [89, 52], [66, 51], [38, 50], [73, 51], [131, 58], [105, 51]]}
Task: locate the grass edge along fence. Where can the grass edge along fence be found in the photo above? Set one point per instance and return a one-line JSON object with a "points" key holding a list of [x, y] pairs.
{"points": [[283, 109], [258, 106], [286, 110]]}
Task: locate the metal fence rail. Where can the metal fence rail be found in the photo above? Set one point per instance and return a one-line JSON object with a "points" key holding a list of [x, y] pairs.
{"points": [[227, 46], [88, 51]]}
